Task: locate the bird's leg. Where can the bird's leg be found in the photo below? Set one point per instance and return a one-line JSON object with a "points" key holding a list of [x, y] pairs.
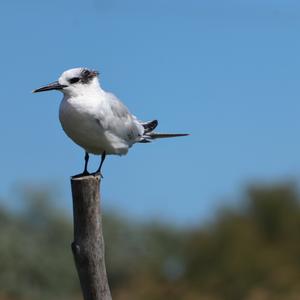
{"points": [[85, 171], [98, 172], [86, 160]]}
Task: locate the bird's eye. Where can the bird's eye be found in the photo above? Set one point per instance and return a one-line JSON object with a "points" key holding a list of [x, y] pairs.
{"points": [[74, 80]]}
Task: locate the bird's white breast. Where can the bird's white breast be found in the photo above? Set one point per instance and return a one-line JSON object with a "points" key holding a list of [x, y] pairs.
{"points": [[81, 118]]}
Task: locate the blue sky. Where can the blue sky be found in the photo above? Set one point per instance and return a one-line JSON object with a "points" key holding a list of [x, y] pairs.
{"points": [[225, 71]]}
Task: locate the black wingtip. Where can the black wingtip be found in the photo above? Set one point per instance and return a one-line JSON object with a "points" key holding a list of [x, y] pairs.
{"points": [[150, 126]]}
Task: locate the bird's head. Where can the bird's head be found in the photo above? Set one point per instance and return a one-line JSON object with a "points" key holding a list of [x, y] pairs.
{"points": [[74, 82]]}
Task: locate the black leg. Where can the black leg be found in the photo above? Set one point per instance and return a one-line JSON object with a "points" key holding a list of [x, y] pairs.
{"points": [[86, 160], [85, 171], [101, 163]]}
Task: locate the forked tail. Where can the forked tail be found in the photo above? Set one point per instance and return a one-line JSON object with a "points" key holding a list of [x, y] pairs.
{"points": [[149, 134]]}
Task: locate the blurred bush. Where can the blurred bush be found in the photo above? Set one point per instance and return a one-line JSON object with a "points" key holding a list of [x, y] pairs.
{"points": [[250, 252]]}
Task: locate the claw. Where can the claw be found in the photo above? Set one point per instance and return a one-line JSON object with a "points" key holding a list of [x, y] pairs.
{"points": [[97, 173], [85, 173]]}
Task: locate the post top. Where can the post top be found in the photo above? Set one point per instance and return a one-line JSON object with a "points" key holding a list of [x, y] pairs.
{"points": [[85, 177]]}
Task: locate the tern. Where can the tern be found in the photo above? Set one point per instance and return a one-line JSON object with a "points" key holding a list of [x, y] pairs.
{"points": [[97, 120]]}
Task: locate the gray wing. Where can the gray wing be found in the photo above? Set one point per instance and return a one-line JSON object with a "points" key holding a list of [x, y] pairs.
{"points": [[121, 122]]}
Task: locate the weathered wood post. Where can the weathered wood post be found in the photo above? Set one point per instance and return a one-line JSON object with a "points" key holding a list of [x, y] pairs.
{"points": [[88, 244]]}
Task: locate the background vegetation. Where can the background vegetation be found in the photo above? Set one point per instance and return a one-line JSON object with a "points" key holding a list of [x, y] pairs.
{"points": [[250, 252]]}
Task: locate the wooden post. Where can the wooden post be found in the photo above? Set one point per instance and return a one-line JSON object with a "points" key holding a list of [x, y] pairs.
{"points": [[88, 244]]}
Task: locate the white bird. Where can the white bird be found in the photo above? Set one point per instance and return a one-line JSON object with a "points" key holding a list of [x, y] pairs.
{"points": [[97, 120]]}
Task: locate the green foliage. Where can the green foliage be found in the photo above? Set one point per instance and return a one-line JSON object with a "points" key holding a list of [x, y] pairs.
{"points": [[249, 253], [34, 252]]}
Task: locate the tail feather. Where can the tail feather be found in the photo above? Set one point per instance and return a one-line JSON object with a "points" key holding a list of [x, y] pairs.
{"points": [[157, 135], [147, 138], [150, 135]]}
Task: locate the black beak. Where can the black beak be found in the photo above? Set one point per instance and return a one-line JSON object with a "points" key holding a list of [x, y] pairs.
{"points": [[52, 86]]}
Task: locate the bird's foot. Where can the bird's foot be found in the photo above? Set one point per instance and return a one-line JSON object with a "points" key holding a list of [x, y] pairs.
{"points": [[84, 173], [97, 173]]}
